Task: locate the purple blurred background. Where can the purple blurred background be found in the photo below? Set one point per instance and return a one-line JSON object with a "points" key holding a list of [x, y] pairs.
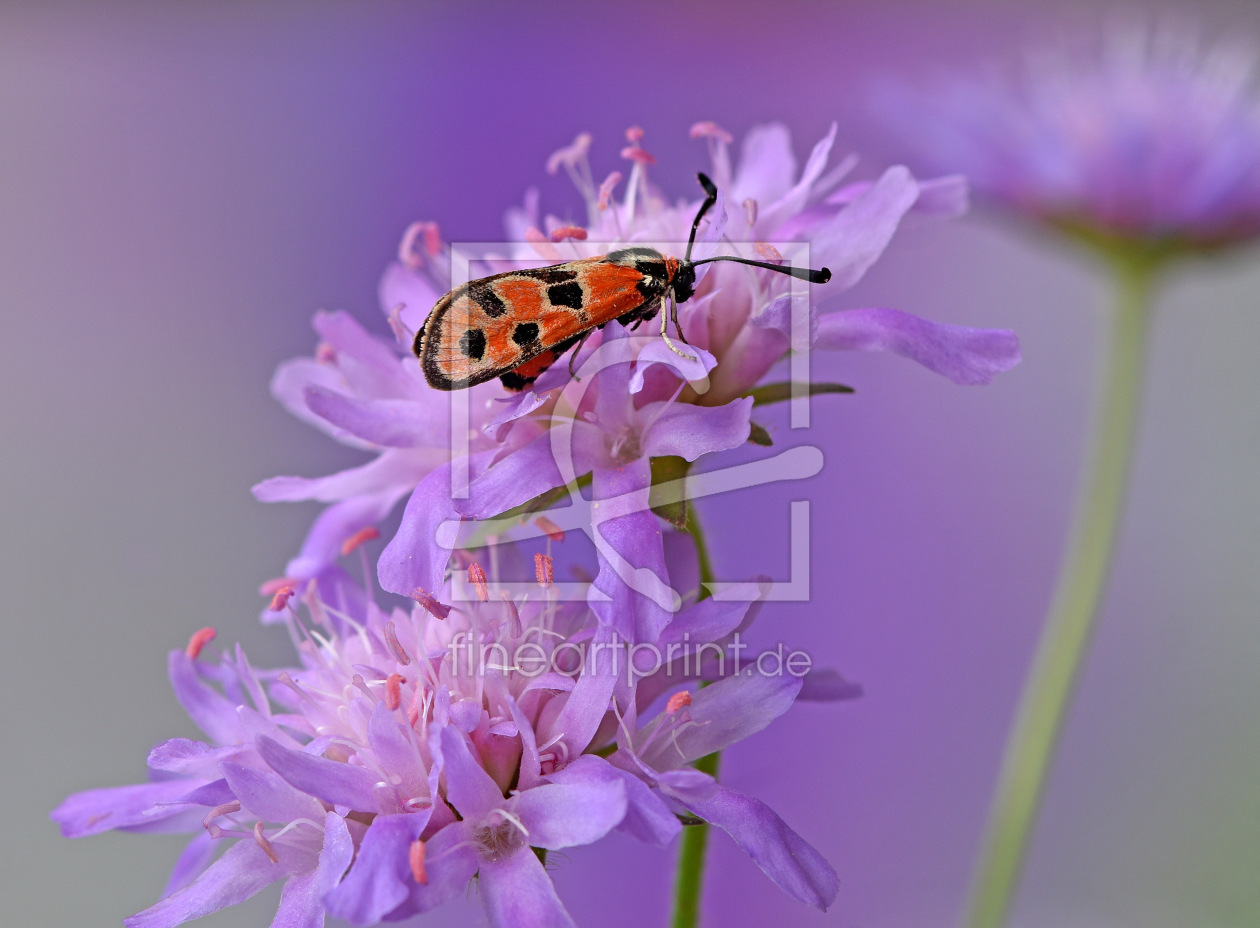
{"points": [[183, 186]]}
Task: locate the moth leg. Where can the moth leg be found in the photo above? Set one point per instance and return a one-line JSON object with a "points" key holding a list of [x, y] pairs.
{"points": [[665, 317], [576, 350], [673, 315]]}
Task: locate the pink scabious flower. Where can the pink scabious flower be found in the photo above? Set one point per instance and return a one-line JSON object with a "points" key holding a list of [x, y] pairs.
{"points": [[1136, 136], [415, 749], [739, 323]]}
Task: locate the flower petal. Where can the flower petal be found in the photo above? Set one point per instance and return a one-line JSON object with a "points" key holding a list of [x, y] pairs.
{"points": [[380, 879], [209, 710], [332, 781], [193, 859], [300, 905], [630, 593], [517, 893], [852, 241], [243, 870], [268, 796], [728, 711], [694, 365], [98, 810], [580, 804], [392, 470], [690, 431], [468, 787], [780, 852], [966, 356]]}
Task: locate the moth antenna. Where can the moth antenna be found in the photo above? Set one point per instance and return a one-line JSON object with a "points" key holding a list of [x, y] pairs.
{"points": [[710, 197], [800, 273]]}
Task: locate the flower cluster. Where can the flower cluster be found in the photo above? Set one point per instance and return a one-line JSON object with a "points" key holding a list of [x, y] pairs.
{"points": [[506, 713], [1138, 135]]}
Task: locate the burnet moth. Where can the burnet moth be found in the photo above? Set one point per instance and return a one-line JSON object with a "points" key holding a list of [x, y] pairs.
{"points": [[517, 324]]}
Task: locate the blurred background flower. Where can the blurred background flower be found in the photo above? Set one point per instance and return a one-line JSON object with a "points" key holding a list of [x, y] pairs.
{"points": [[182, 187]]}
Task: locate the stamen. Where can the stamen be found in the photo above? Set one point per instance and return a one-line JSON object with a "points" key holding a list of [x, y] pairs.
{"points": [[403, 334], [415, 858], [362, 536], [226, 809], [264, 843], [199, 639], [635, 151], [769, 252], [393, 690], [325, 353], [281, 599], [543, 570], [552, 531], [750, 210], [606, 189], [269, 588], [637, 155], [477, 577], [570, 155], [395, 648], [543, 245], [678, 701], [711, 130], [573, 233], [431, 605], [407, 253]]}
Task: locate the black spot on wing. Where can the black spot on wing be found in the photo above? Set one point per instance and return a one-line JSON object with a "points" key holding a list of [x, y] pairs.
{"points": [[566, 294], [486, 299], [525, 333], [556, 274], [473, 344]]}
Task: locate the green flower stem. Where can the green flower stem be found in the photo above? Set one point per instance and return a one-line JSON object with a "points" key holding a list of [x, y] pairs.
{"points": [[689, 878], [1048, 689]]}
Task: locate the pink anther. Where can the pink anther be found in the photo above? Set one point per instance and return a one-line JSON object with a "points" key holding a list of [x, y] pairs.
{"points": [[362, 536], [199, 639]]}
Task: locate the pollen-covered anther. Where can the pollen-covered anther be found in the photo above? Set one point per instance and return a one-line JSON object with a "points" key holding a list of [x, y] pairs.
{"points": [[265, 844], [395, 647], [200, 638], [415, 858], [711, 130], [606, 189], [477, 577], [769, 252], [393, 690], [281, 598], [228, 808], [549, 528], [325, 353], [543, 570], [637, 155], [362, 536], [568, 233], [432, 606], [679, 700], [750, 210]]}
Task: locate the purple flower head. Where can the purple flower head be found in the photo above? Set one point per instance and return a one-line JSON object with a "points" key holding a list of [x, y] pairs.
{"points": [[638, 400], [413, 749], [1135, 136]]}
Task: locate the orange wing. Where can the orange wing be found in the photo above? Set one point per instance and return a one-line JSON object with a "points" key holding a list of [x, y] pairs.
{"points": [[495, 325]]}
